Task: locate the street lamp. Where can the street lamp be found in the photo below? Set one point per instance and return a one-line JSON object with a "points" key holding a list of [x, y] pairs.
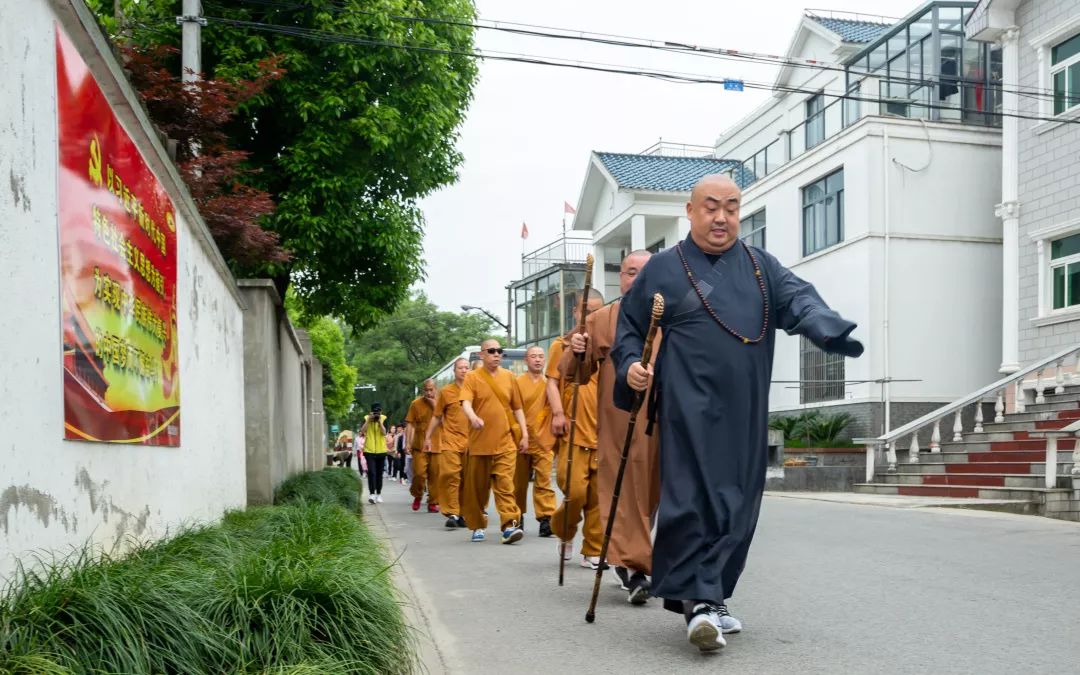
{"points": [[506, 327]]}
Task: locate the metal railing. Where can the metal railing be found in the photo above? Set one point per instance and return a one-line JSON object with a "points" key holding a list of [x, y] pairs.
{"points": [[664, 148], [562, 250], [1022, 388]]}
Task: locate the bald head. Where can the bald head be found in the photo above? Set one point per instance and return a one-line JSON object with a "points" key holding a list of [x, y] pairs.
{"points": [[631, 266], [491, 354], [534, 359], [713, 211], [596, 301]]}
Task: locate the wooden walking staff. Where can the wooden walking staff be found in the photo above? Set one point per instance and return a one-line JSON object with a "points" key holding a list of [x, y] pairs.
{"points": [[577, 375], [639, 397]]}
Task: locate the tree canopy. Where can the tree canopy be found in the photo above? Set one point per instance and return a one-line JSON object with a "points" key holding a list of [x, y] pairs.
{"points": [[402, 351], [347, 140]]}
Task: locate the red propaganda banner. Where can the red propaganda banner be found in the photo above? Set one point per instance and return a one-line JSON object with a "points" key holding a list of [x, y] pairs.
{"points": [[117, 273]]}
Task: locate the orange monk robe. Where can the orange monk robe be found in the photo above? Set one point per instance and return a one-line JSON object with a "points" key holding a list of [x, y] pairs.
{"points": [[541, 452], [453, 433], [579, 489], [425, 466], [492, 452], [631, 537]]}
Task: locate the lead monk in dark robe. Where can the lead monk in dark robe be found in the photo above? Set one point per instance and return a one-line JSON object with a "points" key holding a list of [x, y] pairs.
{"points": [[723, 302]]}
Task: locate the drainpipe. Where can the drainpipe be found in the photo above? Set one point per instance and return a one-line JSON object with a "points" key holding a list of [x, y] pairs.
{"points": [[885, 165]]}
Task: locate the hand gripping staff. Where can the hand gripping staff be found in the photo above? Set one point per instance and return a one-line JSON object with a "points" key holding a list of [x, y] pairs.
{"points": [[577, 375], [646, 355]]}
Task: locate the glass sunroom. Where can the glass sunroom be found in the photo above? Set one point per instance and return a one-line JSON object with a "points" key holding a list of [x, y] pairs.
{"points": [[925, 68]]}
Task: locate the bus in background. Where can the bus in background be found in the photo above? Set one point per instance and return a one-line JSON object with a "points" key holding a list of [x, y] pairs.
{"points": [[513, 360]]}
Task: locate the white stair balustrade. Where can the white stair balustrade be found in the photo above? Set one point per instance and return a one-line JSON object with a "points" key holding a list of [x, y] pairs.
{"points": [[1039, 398], [999, 407], [890, 457], [935, 437], [1019, 405], [978, 417], [958, 428], [913, 451], [1059, 378]]}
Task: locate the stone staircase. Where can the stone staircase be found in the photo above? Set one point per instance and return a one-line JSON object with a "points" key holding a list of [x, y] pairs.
{"points": [[1002, 467]]}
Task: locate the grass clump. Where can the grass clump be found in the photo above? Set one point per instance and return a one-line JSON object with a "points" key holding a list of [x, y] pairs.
{"points": [[333, 485], [283, 589]]}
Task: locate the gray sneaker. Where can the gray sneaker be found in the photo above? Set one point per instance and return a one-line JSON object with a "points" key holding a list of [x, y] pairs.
{"points": [[728, 623]]}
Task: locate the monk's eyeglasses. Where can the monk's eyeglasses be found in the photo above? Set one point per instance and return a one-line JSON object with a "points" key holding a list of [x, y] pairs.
{"points": [[494, 350]]}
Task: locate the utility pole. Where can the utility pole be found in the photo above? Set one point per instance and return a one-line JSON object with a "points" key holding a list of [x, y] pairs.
{"points": [[192, 23]]}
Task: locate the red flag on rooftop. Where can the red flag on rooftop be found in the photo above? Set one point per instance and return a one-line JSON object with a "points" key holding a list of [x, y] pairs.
{"points": [[567, 208], [524, 231]]}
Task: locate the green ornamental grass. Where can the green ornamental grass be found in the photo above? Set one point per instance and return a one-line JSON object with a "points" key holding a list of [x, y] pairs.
{"points": [[302, 587]]}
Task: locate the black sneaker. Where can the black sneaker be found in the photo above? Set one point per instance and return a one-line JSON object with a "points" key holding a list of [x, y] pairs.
{"points": [[624, 578], [451, 523], [545, 527], [639, 588]]}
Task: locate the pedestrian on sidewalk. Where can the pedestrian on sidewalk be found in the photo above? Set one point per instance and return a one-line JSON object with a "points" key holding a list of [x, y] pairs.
{"points": [[630, 548], [492, 404], [425, 468], [402, 461], [723, 301], [453, 428], [581, 502], [374, 432], [541, 453]]}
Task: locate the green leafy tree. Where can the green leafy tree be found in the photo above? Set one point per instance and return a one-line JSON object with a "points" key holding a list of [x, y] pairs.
{"points": [[402, 351], [347, 140], [328, 345]]}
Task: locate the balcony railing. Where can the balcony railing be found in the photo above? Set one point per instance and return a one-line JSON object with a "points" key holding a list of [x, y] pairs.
{"points": [[664, 148], [562, 250]]}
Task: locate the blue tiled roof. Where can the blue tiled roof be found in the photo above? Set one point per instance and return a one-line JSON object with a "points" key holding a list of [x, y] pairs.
{"points": [[849, 30], [667, 174]]}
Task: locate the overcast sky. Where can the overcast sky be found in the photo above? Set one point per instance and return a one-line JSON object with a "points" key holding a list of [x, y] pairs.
{"points": [[530, 128]]}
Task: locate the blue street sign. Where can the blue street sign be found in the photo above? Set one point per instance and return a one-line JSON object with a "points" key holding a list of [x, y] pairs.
{"points": [[733, 85]]}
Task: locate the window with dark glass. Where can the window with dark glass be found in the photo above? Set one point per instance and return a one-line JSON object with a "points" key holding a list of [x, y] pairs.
{"points": [[752, 229], [821, 375], [815, 120], [1065, 73], [1065, 271], [823, 213], [657, 247]]}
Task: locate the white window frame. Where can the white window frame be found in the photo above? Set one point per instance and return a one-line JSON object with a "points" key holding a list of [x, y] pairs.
{"points": [[1043, 238], [1042, 44], [1055, 68]]}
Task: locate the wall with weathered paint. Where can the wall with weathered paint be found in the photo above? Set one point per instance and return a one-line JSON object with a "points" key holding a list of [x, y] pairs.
{"points": [[56, 494]]}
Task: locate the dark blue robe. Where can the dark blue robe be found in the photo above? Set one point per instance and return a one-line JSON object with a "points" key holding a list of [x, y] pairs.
{"points": [[711, 404]]}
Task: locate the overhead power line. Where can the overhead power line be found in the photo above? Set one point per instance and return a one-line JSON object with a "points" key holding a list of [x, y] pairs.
{"points": [[681, 48], [669, 76]]}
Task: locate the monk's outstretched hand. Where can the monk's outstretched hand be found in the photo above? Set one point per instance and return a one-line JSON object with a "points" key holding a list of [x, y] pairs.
{"points": [[638, 377]]}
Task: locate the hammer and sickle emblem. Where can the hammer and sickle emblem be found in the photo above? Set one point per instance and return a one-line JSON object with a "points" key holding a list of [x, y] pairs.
{"points": [[94, 168]]}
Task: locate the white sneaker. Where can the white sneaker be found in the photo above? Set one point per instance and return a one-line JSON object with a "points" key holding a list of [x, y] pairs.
{"points": [[371, 500], [704, 631], [590, 562], [378, 498], [566, 548], [728, 623]]}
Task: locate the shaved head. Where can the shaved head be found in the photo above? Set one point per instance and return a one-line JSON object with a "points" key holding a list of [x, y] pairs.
{"points": [[713, 211], [631, 267]]}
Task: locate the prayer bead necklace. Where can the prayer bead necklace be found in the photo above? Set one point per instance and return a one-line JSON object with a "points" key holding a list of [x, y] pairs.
{"points": [[708, 308]]}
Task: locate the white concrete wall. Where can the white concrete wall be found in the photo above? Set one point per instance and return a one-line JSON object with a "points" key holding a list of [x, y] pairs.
{"points": [[945, 276], [56, 494]]}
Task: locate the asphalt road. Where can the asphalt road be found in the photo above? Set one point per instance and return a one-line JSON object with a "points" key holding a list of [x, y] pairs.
{"points": [[829, 588]]}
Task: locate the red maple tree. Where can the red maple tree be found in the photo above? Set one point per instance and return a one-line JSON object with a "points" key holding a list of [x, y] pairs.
{"points": [[196, 116]]}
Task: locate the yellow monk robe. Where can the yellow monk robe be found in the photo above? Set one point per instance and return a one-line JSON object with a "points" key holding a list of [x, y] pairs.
{"points": [[631, 537], [579, 490], [454, 430], [490, 462], [541, 452], [425, 466]]}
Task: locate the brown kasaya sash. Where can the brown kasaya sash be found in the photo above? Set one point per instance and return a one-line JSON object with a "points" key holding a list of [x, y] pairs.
{"points": [[515, 430]]}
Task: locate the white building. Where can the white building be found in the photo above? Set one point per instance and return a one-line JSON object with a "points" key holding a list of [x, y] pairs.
{"points": [[884, 199]]}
